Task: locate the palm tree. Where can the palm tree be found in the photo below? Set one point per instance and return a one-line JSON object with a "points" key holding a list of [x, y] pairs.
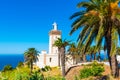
{"points": [[90, 52], [99, 20], [83, 51], [93, 51], [61, 46], [58, 44], [73, 50], [99, 50], [118, 50], [30, 57]]}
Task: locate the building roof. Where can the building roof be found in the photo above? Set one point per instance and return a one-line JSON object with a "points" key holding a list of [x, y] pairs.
{"points": [[55, 32]]}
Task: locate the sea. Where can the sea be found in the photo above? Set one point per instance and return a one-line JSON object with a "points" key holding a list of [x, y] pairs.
{"points": [[14, 59], [10, 59]]}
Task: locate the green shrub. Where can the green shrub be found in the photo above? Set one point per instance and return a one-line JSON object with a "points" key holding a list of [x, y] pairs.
{"points": [[97, 70], [94, 70], [46, 68], [3, 78], [36, 76], [86, 72], [7, 68], [22, 76], [94, 63], [43, 69], [18, 76], [20, 64], [23, 73]]}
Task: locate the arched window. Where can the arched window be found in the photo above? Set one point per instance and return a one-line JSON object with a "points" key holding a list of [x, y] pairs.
{"points": [[50, 59]]}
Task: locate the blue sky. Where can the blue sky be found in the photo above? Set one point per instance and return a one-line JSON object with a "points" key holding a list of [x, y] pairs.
{"points": [[26, 23]]}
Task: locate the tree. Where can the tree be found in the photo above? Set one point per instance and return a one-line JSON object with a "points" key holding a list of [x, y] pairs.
{"points": [[20, 64], [100, 19], [61, 46], [58, 44], [73, 50], [7, 68], [118, 50], [90, 52], [93, 51], [30, 57], [83, 51]]}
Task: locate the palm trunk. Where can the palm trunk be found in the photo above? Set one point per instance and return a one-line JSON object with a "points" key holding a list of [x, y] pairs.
{"points": [[112, 59], [114, 64], [94, 56], [62, 50], [99, 58], [31, 66], [58, 57], [84, 57], [91, 57]]}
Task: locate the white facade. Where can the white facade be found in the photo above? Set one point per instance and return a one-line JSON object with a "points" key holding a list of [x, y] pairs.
{"points": [[47, 59], [53, 36], [53, 49], [118, 58], [51, 58]]}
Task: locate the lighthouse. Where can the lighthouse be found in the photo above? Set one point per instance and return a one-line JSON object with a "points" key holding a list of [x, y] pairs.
{"points": [[54, 34]]}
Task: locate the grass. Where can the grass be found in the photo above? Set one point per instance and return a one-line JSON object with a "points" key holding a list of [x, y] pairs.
{"points": [[24, 72], [55, 71], [11, 75]]}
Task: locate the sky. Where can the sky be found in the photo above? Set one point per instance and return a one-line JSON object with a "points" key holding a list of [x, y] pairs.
{"points": [[26, 23]]}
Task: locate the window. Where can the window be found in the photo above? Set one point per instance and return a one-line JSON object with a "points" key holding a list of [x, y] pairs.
{"points": [[50, 59], [56, 51]]}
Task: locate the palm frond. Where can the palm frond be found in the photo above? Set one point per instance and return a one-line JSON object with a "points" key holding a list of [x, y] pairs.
{"points": [[89, 38], [83, 32], [77, 14], [78, 23], [86, 32], [83, 4], [101, 33]]}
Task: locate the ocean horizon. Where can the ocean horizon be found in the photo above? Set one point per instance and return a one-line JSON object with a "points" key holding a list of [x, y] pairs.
{"points": [[10, 59]]}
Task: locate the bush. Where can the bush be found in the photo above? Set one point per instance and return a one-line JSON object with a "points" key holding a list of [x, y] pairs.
{"points": [[46, 68], [36, 76], [7, 68], [97, 70], [43, 69], [18, 76], [86, 72], [94, 70], [20, 64], [94, 63]]}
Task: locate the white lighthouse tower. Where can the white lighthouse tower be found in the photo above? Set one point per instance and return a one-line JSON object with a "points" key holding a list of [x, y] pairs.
{"points": [[53, 36]]}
